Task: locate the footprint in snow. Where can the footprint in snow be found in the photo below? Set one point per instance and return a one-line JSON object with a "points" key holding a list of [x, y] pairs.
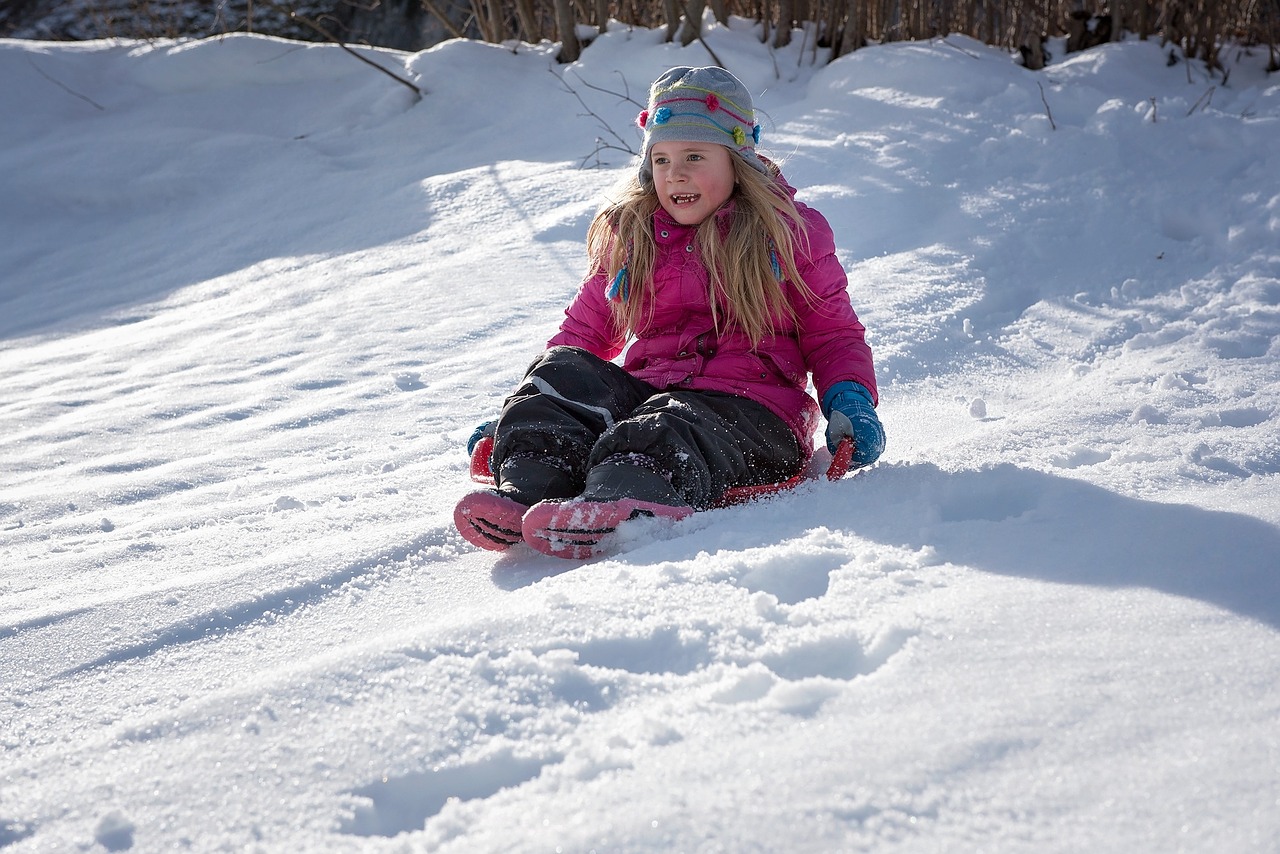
{"points": [[395, 805]]}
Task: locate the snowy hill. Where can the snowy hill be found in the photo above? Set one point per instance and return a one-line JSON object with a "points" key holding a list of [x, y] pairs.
{"points": [[254, 297]]}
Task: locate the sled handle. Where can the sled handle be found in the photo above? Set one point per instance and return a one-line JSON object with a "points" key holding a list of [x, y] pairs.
{"points": [[841, 459], [481, 471]]}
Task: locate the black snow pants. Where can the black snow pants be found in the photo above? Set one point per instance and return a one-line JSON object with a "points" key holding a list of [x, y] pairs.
{"points": [[576, 410]]}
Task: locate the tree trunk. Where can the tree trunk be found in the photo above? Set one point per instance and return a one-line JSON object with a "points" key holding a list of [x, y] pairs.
{"points": [[528, 18], [692, 25], [570, 47], [786, 16], [672, 10], [481, 20], [855, 35], [837, 21]]}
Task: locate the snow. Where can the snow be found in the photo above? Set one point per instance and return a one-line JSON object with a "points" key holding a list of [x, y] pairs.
{"points": [[254, 297]]}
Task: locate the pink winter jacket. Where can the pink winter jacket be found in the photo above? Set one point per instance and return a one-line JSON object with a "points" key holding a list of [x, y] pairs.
{"points": [[679, 348]]}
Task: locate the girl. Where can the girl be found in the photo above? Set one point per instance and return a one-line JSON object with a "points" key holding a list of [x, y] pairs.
{"points": [[733, 295]]}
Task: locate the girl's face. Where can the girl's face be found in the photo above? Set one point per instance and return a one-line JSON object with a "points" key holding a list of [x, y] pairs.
{"points": [[692, 179]]}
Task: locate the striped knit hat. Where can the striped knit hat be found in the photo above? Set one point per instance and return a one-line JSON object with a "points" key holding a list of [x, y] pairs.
{"points": [[699, 105]]}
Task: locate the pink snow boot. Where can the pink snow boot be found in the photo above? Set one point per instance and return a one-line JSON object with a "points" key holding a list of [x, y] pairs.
{"points": [[489, 519], [578, 528]]}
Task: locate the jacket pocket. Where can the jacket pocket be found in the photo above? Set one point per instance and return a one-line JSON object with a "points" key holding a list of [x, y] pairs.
{"points": [[790, 370]]}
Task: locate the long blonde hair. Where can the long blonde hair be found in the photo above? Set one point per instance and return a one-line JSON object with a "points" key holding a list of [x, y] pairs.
{"points": [[740, 262]]}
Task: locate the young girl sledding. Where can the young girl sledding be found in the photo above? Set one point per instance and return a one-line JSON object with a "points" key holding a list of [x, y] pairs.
{"points": [[733, 295]]}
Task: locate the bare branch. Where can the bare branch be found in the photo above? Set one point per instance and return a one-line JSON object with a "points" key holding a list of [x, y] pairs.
{"points": [[64, 87], [1206, 99], [621, 144], [714, 58], [435, 12], [328, 36], [1045, 101]]}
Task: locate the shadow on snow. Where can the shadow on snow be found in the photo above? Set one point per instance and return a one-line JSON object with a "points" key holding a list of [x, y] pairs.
{"points": [[1015, 521]]}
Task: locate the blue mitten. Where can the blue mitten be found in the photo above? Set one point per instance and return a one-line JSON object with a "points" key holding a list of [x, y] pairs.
{"points": [[485, 429], [850, 412]]}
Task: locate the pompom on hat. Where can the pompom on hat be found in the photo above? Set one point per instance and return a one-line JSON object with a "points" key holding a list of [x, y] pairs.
{"points": [[699, 105]]}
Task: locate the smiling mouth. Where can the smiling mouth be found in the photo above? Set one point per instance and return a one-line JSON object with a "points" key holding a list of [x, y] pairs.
{"points": [[684, 198]]}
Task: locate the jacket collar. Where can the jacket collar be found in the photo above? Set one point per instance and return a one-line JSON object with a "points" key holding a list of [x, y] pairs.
{"points": [[666, 229]]}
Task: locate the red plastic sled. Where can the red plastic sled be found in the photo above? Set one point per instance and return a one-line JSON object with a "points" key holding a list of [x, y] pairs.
{"points": [[837, 466]]}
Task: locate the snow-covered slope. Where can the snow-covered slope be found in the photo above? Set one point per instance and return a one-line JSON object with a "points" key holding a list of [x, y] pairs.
{"points": [[254, 297]]}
